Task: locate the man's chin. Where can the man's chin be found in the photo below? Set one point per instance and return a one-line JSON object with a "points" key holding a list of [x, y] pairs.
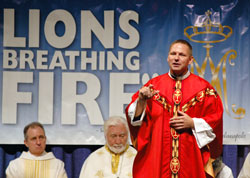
{"points": [[117, 150], [37, 153], [176, 70]]}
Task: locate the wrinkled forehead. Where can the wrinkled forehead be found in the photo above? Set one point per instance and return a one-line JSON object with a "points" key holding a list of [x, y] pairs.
{"points": [[117, 129]]}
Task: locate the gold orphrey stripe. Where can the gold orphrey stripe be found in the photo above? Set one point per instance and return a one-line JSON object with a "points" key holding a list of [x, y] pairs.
{"points": [[175, 164]]}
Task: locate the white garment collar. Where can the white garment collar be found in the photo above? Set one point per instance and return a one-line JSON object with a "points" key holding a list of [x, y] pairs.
{"points": [[181, 77], [44, 156]]}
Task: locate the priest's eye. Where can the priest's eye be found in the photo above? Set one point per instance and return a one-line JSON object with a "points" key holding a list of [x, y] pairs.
{"points": [[113, 136], [122, 136], [41, 137], [33, 139]]}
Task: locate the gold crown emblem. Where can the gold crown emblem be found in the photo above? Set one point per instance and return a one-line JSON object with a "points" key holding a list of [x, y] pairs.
{"points": [[208, 32]]}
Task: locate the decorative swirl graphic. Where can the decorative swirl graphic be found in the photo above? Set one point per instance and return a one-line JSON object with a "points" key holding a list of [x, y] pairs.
{"points": [[210, 28]]}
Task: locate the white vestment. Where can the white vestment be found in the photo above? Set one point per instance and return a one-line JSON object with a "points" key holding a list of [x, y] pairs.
{"points": [[245, 170], [225, 172], [30, 166], [98, 164]]}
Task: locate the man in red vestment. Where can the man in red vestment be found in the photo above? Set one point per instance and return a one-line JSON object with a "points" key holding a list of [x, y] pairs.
{"points": [[175, 122]]}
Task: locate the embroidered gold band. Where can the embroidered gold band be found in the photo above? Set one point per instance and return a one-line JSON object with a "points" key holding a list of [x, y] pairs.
{"points": [[115, 158], [199, 98], [162, 101], [175, 163], [177, 97]]}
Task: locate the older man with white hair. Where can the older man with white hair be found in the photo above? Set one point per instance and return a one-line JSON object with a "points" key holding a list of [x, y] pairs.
{"points": [[115, 159]]}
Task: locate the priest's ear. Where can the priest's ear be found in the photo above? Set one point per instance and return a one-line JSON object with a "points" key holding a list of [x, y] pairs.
{"points": [[25, 143], [191, 59]]}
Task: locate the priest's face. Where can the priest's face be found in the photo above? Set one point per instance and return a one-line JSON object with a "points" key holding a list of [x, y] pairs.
{"points": [[117, 138], [36, 140], [179, 57]]}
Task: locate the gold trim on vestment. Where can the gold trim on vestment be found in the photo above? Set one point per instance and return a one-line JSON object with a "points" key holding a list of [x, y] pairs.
{"points": [[37, 168], [115, 158], [199, 98], [162, 101], [177, 96], [208, 167], [175, 163]]}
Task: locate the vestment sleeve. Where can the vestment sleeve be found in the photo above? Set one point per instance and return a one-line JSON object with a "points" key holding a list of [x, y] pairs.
{"points": [[245, 170], [203, 132], [212, 113], [131, 114], [11, 171], [61, 171], [133, 129], [86, 168]]}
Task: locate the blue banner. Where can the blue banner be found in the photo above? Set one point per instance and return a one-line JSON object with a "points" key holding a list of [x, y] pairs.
{"points": [[71, 64]]}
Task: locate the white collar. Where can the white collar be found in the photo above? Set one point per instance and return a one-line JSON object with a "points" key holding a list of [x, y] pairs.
{"points": [[180, 77], [43, 156]]}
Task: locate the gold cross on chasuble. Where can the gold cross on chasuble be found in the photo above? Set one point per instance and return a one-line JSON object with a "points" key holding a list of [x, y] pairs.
{"points": [[175, 163]]}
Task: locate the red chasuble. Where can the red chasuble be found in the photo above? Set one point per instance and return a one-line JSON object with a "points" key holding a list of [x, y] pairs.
{"points": [[154, 141]]}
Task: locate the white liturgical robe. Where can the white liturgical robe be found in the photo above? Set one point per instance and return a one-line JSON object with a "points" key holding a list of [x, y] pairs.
{"points": [[225, 172], [98, 164], [30, 166], [245, 170]]}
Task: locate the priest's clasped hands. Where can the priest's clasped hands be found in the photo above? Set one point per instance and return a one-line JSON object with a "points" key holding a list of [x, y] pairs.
{"points": [[179, 122]]}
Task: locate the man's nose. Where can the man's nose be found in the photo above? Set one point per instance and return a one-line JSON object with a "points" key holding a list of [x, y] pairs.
{"points": [[38, 141], [177, 57], [118, 140]]}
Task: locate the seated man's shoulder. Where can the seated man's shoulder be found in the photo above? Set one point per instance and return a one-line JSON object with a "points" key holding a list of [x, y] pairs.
{"points": [[16, 163], [99, 152], [248, 157], [132, 149], [17, 159], [131, 152], [51, 156]]}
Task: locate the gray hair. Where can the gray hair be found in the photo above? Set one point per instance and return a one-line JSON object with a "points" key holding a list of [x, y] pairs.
{"points": [[32, 125], [113, 121]]}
